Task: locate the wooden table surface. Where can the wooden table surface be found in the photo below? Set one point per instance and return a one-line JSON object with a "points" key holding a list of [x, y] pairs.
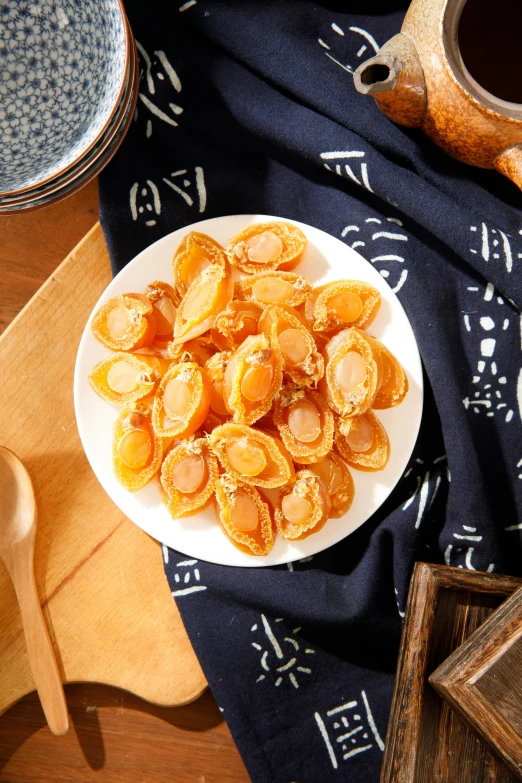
{"points": [[115, 736]]}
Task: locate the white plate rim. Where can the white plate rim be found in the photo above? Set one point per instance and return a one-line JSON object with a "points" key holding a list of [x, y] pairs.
{"points": [[187, 535]]}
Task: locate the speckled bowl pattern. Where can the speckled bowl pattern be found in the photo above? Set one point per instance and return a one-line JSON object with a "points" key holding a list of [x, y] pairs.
{"points": [[63, 67], [98, 149], [89, 167]]}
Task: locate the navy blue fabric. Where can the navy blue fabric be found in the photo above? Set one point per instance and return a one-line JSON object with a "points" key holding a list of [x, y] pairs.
{"points": [[242, 108]]}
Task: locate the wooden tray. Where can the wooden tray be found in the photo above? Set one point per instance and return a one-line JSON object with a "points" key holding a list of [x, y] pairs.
{"points": [[482, 680], [427, 742], [100, 578]]}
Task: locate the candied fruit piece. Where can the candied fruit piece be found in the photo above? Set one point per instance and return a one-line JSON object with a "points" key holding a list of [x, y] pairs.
{"points": [[274, 287], [305, 423], [125, 323], [165, 302], [188, 475], [336, 477], [304, 508], [252, 456], [362, 441], [207, 296], [198, 350], [335, 306], [353, 372], [234, 324], [123, 378], [284, 327], [182, 400], [394, 386], [193, 256], [215, 367], [267, 246], [252, 379], [137, 451], [244, 516]]}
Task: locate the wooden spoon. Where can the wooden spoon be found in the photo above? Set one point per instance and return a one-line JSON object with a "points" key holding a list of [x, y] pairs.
{"points": [[17, 534]]}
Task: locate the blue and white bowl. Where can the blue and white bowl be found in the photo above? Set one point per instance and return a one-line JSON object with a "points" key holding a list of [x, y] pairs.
{"points": [[63, 67]]}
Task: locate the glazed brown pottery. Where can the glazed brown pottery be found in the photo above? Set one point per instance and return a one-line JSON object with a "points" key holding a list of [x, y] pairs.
{"points": [[454, 71]]}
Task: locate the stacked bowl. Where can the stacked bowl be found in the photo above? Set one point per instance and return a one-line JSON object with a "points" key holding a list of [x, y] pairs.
{"points": [[68, 88]]}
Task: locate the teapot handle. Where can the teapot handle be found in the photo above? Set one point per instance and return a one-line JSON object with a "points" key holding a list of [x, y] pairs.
{"points": [[509, 163]]}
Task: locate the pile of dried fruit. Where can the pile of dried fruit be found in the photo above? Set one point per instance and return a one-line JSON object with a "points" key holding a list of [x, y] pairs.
{"points": [[257, 393]]}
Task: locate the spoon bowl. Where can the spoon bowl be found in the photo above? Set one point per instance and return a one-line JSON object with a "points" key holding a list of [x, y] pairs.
{"points": [[17, 535], [17, 503]]}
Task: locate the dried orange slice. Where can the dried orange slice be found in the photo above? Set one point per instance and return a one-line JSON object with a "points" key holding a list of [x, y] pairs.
{"points": [[353, 372], [125, 323], [362, 441], [244, 516], [336, 477], [268, 288], [215, 368], [124, 378], [193, 256], [137, 451], [199, 350], [165, 302], [345, 303], [267, 246], [284, 327], [207, 296], [235, 323], [304, 508], [394, 387], [188, 475], [182, 401], [251, 456], [252, 379], [305, 423]]}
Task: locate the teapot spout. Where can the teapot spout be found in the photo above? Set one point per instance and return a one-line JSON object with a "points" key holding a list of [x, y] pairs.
{"points": [[394, 77], [509, 163]]}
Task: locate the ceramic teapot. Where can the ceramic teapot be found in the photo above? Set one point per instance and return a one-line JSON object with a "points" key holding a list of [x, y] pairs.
{"points": [[454, 71]]}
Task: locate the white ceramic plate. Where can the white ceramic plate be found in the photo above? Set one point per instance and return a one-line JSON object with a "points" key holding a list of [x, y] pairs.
{"points": [[199, 536]]}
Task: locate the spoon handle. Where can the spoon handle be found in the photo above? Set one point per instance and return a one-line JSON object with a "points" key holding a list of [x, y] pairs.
{"points": [[39, 647]]}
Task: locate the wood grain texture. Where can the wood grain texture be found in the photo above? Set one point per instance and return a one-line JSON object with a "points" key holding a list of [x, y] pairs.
{"points": [[482, 680], [34, 244], [18, 515], [115, 736], [78, 524], [427, 742]]}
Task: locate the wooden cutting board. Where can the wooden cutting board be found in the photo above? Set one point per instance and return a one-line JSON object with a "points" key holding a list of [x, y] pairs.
{"points": [[100, 578]]}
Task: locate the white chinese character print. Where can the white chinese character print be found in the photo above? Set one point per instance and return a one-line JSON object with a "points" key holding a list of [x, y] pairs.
{"points": [[281, 659], [355, 157], [188, 577], [145, 202], [337, 45], [493, 244], [157, 67], [455, 552], [512, 528], [347, 732], [388, 252], [197, 186], [487, 323], [426, 490], [145, 199]]}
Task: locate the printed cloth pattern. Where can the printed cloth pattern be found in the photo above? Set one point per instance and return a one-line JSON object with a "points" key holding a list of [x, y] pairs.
{"points": [[249, 107]]}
